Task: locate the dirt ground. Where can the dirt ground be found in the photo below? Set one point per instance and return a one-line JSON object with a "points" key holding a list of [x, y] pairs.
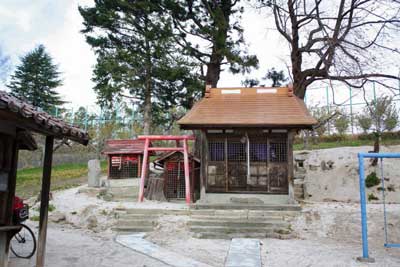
{"points": [[328, 234], [68, 247]]}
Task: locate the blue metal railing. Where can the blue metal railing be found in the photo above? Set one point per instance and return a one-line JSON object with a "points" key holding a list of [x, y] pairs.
{"points": [[364, 230]]}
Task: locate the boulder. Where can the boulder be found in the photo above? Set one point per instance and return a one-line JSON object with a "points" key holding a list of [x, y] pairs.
{"points": [[91, 222], [57, 217]]}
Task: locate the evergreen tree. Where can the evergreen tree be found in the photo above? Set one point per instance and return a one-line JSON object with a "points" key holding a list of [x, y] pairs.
{"points": [[210, 32], [36, 79], [277, 77], [137, 57]]}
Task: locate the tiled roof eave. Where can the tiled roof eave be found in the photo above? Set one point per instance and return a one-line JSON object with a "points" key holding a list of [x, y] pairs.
{"points": [[28, 117]]}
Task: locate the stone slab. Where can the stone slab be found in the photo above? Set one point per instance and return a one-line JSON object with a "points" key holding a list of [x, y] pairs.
{"points": [[94, 173], [244, 252], [138, 244], [238, 198]]}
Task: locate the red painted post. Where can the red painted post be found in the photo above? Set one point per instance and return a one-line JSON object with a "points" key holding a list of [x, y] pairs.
{"points": [[187, 178], [144, 169]]}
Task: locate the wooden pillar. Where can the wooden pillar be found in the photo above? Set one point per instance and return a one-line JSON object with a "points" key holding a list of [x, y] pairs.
{"points": [[290, 138], [186, 165], [203, 164], [44, 201], [6, 236]]}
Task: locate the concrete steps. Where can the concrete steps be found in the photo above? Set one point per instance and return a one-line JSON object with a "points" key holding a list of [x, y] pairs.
{"points": [[142, 220], [226, 221], [210, 223], [232, 206]]}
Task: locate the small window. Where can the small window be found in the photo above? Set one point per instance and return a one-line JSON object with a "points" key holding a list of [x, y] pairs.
{"points": [[236, 151], [216, 150], [258, 151], [278, 151]]}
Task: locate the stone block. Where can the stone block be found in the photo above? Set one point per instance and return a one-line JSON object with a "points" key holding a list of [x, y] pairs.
{"points": [[94, 173]]}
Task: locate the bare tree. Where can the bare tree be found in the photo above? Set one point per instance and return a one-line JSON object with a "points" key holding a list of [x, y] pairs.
{"points": [[350, 41], [384, 117]]}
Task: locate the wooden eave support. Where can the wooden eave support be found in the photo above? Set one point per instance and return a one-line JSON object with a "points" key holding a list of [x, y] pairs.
{"points": [[44, 201]]}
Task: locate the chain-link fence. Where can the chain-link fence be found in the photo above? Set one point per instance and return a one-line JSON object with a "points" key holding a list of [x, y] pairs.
{"points": [[348, 100]]}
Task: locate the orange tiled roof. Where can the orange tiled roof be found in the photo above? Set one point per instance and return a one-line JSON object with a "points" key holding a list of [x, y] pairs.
{"points": [[248, 107]]}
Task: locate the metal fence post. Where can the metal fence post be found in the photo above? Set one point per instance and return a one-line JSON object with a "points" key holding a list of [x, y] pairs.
{"points": [[364, 231], [351, 110], [327, 106]]}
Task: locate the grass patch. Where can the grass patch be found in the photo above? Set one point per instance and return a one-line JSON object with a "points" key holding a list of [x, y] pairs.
{"points": [[62, 177], [371, 197]]}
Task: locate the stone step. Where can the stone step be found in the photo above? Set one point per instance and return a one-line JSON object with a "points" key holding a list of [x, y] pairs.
{"points": [[123, 183], [229, 206], [132, 216], [236, 229], [138, 223], [239, 223], [231, 218], [132, 229], [123, 192], [158, 211], [244, 213]]}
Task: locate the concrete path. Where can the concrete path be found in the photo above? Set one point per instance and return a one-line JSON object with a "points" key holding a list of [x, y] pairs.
{"points": [[138, 244], [244, 252]]}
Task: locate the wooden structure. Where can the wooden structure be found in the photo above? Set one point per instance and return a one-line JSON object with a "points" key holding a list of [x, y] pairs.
{"points": [[174, 178], [148, 149], [17, 121], [124, 158], [246, 138]]}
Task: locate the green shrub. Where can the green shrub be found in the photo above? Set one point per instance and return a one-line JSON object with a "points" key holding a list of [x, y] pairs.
{"points": [[34, 218], [51, 207], [371, 197], [372, 180]]}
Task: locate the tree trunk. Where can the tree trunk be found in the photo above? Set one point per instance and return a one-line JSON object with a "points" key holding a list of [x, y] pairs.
{"points": [[295, 55], [155, 189], [147, 116], [213, 69], [377, 147], [147, 110]]}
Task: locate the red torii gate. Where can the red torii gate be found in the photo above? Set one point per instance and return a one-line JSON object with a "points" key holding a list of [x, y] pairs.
{"points": [[147, 148]]}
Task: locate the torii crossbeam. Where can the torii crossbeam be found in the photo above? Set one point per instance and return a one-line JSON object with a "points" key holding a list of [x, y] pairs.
{"points": [[147, 148]]}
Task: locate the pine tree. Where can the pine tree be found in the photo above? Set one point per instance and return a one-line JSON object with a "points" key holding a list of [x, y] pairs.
{"points": [[36, 79], [137, 58], [210, 32]]}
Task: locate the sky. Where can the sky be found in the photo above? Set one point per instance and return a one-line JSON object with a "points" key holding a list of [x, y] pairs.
{"points": [[25, 24], [56, 24]]}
